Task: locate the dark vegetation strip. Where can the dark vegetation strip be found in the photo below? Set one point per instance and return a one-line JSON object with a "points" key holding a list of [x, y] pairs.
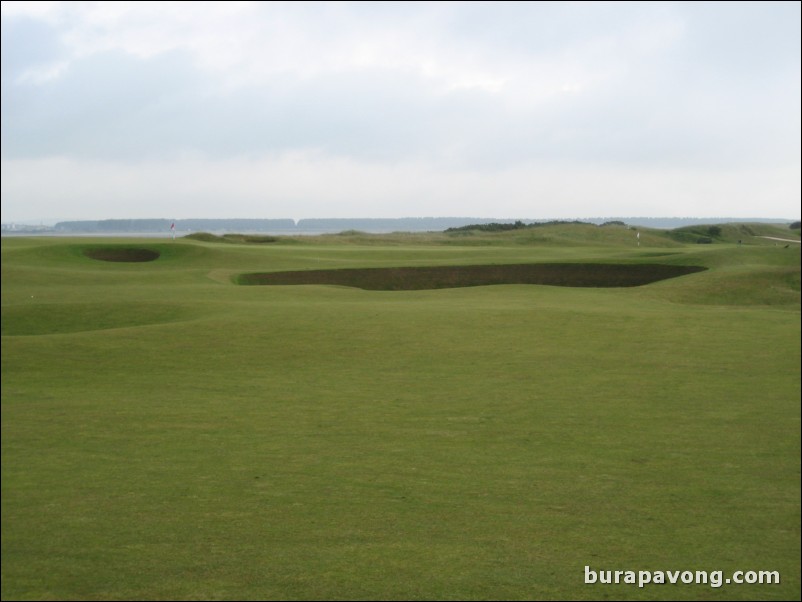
{"points": [[421, 278], [122, 254]]}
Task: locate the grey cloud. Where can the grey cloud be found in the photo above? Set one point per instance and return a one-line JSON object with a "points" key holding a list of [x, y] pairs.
{"points": [[114, 106], [108, 105], [111, 105]]}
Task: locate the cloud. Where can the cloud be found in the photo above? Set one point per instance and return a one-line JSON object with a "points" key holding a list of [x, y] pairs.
{"points": [[460, 97]]}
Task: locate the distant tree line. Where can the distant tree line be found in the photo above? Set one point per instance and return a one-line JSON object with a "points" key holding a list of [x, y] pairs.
{"points": [[115, 225], [184, 225]]}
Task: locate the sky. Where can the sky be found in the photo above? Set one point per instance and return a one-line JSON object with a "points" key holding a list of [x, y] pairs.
{"points": [[541, 110]]}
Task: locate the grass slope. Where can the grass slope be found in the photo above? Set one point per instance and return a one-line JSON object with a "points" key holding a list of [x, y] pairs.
{"points": [[167, 434]]}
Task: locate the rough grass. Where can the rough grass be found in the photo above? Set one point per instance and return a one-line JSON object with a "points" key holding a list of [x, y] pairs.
{"points": [[337, 443], [734, 233]]}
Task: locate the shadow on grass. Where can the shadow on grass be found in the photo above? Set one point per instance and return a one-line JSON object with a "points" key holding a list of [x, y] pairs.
{"points": [[422, 278]]}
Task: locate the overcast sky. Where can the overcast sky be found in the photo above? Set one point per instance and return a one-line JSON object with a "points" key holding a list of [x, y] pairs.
{"points": [[370, 109]]}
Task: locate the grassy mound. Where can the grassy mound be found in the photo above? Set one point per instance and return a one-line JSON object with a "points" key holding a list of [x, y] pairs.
{"points": [[731, 233], [59, 318], [422, 278]]}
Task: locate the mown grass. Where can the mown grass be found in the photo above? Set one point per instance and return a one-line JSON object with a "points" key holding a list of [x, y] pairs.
{"points": [[170, 435]]}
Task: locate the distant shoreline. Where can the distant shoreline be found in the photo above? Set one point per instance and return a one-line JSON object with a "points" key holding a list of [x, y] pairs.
{"points": [[315, 226]]}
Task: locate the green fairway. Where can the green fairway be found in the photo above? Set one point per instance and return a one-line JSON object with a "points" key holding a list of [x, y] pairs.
{"points": [[170, 434]]}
